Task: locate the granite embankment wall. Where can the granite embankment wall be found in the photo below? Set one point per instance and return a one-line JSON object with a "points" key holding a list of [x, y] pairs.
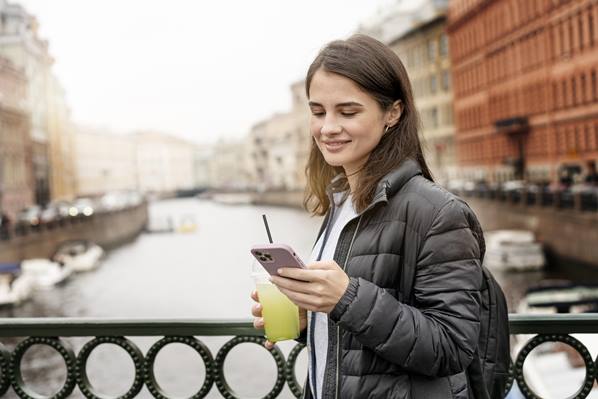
{"points": [[106, 229], [567, 234]]}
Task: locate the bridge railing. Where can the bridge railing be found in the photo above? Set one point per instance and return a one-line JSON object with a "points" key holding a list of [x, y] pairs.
{"points": [[51, 332]]}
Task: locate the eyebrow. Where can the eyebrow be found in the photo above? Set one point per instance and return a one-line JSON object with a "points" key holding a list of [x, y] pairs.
{"points": [[345, 104]]}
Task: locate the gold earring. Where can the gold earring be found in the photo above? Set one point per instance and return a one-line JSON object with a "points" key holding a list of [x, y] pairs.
{"points": [[385, 129]]}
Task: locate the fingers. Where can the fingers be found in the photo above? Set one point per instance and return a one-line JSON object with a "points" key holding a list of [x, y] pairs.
{"points": [[291, 284], [256, 310], [302, 300], [296, 273], [258, 323], [269, 345]]}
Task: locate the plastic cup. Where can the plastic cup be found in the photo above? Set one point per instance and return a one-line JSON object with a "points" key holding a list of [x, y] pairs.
{"points": [[281, 316]]}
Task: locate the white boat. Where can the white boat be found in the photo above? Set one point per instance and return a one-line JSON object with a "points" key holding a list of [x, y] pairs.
{"points": [[79, 255], [14, 287], [513, 250], [45, 273]]}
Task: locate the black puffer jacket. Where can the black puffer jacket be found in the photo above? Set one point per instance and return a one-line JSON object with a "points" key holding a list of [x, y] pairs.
{"points": [[416, 347]]}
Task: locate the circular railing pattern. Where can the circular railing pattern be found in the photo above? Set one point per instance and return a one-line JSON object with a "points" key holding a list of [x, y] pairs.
{"points": [[198, 346], [61, 347], [590, 376], [132, 350], [221, 383], [4, 370], [511, 378], [76, 367], [10, 366], [289, 369]]}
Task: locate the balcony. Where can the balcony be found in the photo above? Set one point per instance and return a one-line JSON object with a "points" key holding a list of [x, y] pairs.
{"points": [[49, 332]]}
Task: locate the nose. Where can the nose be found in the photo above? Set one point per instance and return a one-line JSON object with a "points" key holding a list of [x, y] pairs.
{"points": [[331, 126]]}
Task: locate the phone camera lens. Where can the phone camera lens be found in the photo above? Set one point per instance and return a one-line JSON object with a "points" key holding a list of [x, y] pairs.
{"points": [[258, 253], [263, 259]]}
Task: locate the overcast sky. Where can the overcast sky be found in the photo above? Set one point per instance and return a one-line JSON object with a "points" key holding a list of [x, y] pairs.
{"points": [[198, 69]]}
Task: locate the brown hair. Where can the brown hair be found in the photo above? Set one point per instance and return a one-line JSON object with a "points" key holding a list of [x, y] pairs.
{"points": [[379, 72]]}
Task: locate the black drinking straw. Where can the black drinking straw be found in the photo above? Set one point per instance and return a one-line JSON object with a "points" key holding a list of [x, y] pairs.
{"points": [[267, 229]]}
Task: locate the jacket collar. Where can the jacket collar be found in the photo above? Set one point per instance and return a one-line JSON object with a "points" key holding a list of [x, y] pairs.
{"points": [[388, 186]]}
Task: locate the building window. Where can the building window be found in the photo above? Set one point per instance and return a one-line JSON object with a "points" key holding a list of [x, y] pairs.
{"points": [[583, 88], [443, 45], [434, 117], [591, 26], [446, 80], [594, 84], [431, 50], [433, 84]]}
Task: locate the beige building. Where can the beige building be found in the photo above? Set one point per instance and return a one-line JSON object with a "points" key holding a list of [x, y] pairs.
{"points": [[279, 147], [51, 131], [201, 166], [16, 185], [60, 144], [19, 42], [229, 166], [423, 49], [164, 163], [104, 161]]}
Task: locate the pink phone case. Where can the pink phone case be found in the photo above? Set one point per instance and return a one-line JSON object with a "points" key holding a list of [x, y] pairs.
{"points": [[274, 256]]}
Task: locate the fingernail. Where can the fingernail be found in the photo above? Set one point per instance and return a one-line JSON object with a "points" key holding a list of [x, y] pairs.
{"points": [[280, 271]]}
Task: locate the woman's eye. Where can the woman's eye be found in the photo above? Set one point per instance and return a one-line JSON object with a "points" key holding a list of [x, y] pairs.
{"points": [[348, 113], [317, 113]]}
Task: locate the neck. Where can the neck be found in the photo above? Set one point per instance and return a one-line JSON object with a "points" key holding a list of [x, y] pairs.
{"points": [[352, 178]]}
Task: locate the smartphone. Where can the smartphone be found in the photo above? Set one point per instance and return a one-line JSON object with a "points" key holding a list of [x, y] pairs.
{"points": [[274, 256]]}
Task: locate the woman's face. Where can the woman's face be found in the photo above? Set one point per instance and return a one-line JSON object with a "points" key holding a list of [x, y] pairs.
{"points": [[346, 122]]}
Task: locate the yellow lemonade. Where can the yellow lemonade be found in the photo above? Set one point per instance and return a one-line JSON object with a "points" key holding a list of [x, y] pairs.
{"points": [[281, 316]]}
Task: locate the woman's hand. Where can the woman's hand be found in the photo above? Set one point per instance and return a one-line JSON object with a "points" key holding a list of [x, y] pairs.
{"points": [[317, 288], [258, 321]]}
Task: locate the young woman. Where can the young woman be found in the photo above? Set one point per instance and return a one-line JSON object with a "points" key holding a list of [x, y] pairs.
{"points": [[373, 331]]}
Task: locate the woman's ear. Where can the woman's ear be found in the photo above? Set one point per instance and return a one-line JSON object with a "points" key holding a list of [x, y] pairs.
{"points": [[394, 113]]}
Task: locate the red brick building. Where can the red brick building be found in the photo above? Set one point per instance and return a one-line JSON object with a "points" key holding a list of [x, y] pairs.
{"points": [[525, 86], [16, 174]]}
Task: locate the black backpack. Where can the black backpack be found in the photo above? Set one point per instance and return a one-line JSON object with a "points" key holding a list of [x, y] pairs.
{"points": [[490, 367], [488, 373]]}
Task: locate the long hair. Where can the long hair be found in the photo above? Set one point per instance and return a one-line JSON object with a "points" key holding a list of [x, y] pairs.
{"points": [[379, 72]]}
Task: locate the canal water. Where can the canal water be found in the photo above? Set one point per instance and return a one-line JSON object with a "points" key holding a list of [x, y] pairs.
{"points": [[203, 274]]}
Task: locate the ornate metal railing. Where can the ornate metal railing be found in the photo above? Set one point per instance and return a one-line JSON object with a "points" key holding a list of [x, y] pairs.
{"points": [[50, 332]]}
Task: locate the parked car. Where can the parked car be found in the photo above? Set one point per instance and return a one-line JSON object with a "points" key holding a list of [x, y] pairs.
{"points": [[62, 208], [82, 207], [29, 218], [49, 215]]}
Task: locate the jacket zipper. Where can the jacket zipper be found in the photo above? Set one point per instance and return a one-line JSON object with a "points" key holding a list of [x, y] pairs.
{"points": [[338, 344]]}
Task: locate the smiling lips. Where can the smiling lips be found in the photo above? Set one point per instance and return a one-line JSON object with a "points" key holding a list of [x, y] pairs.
{"points": [[335, 145]]}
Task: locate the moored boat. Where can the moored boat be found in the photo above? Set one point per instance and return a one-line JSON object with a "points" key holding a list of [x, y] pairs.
{"points": [[45, 273], [14, 287], [79, 255], [513, 250]]}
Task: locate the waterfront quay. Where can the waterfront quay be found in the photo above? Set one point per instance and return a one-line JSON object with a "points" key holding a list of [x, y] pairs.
{"points": [[107, 229]]}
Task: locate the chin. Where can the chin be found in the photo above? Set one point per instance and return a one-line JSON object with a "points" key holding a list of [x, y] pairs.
{"points": [[334, 161]]}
